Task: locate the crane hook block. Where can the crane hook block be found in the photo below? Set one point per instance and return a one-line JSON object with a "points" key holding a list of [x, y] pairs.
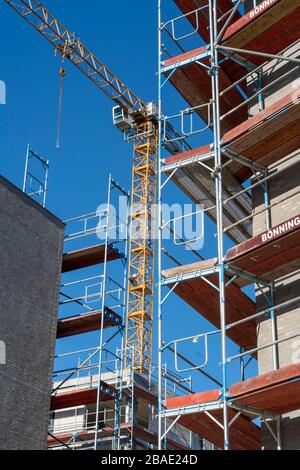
{"points": [[62, 72]]}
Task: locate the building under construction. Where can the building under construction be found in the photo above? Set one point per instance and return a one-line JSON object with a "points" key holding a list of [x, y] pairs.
{"points": [[233, 151]]}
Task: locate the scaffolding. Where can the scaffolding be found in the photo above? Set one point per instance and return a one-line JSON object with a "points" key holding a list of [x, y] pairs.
{"points": [[122, 425], [227, 83], [89, 303], [99, 399], [36, 173]]}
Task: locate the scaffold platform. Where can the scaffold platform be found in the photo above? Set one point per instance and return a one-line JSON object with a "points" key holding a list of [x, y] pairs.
{"points": [[79, 397], [276, 392], [87, 322], [270, 255], [244, 435], [193, 82], [267, 137], [195, 181], [203, 297], [87, 396], [140, 433], [270, 27], [263, 139], [90, 256]]}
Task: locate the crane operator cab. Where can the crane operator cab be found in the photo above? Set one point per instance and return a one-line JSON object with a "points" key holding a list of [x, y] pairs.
{"points": [[121, 119]]}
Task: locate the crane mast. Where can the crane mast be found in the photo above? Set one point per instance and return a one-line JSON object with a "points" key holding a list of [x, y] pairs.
{"points": [[145, 140], [141, 251]]}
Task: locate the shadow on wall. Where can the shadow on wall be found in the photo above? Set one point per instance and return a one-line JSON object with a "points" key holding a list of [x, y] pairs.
{"points": [[290, 434]]}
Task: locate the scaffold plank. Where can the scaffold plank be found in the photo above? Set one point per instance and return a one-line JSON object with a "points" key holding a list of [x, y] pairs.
{"points": [[80, 397], [270, 255], [232, 69], [185, 58], [68, 438], [204, 299], [193, 82], [139, 432], [266, 137], [263, 139], [85, 435], [86, 323], [276, 392], [281, 399], [194, 399], [188, 157], [270, 27], [87, 396], [244, 435], [90, 256], [269, 379], [196, 182]]}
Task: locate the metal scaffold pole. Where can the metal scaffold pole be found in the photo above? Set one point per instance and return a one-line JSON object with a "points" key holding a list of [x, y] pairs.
{"points": [[103, 293], [36, 174], [121, 353], [219, 203], [159, 235]]}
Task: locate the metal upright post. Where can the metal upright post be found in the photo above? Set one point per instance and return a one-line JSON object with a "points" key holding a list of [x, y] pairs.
{"points": [[268, 218], [273, 317], [259, 83], [159, 233], [46, 184], [118, 407], [102, 315], [279, 439], [26, 168], [219, 204]]}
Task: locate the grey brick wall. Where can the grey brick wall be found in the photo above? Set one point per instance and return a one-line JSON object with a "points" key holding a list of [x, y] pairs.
{"points": [[31, 243]]}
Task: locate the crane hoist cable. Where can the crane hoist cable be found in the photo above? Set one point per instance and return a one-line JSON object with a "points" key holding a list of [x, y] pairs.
{"points": [[62, 74]]}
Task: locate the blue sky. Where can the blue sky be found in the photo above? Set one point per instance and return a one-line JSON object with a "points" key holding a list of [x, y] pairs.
{"points": [[124, 37], [79, 170]]}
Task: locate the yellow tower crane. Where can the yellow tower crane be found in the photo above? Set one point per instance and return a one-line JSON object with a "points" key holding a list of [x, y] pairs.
{"points": [[139, 120]]}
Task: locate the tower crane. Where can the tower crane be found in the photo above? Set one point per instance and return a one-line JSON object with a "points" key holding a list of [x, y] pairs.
{"points": [[139, 120]]}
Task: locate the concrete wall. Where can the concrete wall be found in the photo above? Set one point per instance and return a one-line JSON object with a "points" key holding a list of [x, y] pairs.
{"points": [[31, 241], [280, 79], [69, 421], [283, 191]]}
